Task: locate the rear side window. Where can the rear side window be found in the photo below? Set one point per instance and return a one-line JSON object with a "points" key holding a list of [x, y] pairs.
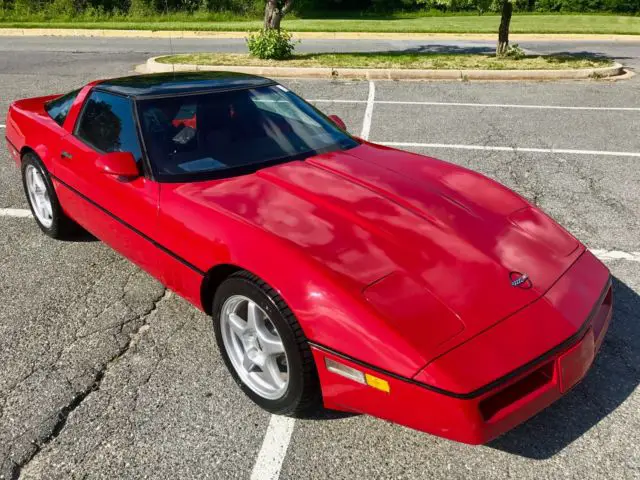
{"points": [[58, 109], [107, 124]]}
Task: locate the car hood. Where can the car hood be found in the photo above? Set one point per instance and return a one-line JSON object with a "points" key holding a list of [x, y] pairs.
{"points": [[372, 211]]}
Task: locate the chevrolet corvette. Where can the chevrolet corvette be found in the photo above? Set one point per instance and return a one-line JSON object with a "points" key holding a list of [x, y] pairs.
{"points": [[337, 272]]}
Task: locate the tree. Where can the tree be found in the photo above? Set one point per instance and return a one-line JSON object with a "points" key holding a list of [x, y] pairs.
{"points": [[274, 10], [503, 31], [505, 6]]}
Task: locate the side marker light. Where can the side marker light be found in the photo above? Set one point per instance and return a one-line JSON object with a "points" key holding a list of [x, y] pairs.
{"points": [[344, 370], [377, 383], [356, 375]]}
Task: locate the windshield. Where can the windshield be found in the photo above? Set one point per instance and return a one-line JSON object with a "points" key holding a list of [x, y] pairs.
{"points": [[213, 135]]}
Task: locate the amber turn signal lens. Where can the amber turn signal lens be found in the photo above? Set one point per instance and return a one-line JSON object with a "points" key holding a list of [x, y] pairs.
{"points": [[356, 375], [377, 383]]}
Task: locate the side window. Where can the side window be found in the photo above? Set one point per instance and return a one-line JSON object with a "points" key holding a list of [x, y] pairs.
{"points": [[107, 124], [59, 108]]}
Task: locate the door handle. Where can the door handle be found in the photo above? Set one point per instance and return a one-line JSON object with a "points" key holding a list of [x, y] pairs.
{"points": [[66, 155]]}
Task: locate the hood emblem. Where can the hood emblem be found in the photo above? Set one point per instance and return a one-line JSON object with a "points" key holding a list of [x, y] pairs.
{"points": [[520, 280]]}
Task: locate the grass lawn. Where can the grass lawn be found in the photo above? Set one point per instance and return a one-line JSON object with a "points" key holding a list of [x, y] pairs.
{"points": [[603, 24], [393, 60]]}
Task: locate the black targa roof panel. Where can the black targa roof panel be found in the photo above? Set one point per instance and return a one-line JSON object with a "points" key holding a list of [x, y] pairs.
{"points": [[180, 83]]}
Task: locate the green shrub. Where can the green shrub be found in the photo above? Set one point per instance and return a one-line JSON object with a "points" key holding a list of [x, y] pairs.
{"points": [[514, 51], [271, 44]]}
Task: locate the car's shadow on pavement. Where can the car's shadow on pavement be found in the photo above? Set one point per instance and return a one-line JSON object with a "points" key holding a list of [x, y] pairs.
{"points": [[326, 414], [613, 377], [79, 235]]}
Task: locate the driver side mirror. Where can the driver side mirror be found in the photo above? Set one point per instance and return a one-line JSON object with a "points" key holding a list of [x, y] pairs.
{"points": [[338, 121], [120, 164]]}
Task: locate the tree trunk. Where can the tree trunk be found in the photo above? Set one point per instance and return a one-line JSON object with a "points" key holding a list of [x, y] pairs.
{"points": [[503, 32], [276, 19], [273, 13], [269, 10]]}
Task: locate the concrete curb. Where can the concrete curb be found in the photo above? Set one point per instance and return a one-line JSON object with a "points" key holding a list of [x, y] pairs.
{"points": [[514, 37], [153, 66]]}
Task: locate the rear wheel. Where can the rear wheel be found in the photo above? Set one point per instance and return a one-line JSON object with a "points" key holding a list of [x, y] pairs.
{"points": [[264, 347], [43, 200]]}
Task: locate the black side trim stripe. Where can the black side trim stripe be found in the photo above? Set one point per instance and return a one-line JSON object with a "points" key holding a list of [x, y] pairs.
{"points": [[131, 227], [496, 383]]}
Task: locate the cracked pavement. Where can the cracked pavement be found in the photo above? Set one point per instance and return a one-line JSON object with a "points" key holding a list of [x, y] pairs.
{"points": [[106, 374]]}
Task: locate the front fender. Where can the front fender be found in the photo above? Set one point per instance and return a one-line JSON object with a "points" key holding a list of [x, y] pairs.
{"points": [[332, 310]]}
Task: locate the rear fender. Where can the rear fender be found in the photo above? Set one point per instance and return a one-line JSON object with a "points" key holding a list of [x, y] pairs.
{"points": [[29, 127]]}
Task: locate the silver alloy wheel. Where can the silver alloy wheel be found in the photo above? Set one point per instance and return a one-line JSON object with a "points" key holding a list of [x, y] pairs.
{"points": [[39, 196], [254, 347]]}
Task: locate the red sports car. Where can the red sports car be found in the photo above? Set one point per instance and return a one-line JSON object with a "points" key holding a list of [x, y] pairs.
{"points": [[336, 271]]}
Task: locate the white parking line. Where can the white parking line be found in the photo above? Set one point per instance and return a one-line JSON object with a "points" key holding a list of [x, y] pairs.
{"points": [[483, 105], [507, 105], [15, 212], [368, 113], [328, 100], [2, 125], [274, 448], [510, 149], [616, 255]]}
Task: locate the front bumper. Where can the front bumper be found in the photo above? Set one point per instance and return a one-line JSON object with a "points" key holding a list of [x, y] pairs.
{"points": [[480, 416]]}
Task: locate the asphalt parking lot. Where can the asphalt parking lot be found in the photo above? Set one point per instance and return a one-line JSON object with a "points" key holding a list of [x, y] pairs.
{"points": [[105, 374]]}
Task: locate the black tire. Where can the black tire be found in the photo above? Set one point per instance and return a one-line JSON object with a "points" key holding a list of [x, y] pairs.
{"points": [[62, 226], [302, 396]]}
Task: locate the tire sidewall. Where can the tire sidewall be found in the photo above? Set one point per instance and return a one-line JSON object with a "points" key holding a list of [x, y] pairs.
{"points": [[33, 160], [241, 286]]}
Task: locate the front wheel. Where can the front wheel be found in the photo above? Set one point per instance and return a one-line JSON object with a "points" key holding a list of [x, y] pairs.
{"points": [[264, 347]]}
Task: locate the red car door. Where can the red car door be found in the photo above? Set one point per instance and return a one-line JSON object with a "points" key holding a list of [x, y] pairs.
{"points": [[121, 212]]}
